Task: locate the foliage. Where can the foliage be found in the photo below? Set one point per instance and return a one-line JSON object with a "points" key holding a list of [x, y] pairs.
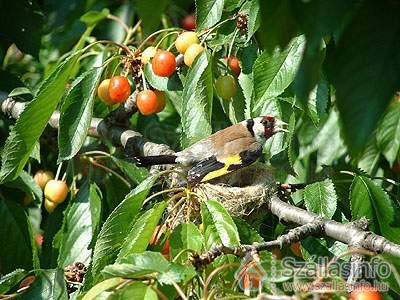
{"points": [[330, 69]]}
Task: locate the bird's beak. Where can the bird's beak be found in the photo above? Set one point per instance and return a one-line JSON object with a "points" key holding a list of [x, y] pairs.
{"points": [[279, 126]]}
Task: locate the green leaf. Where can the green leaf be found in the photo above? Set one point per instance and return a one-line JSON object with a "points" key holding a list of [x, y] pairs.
{"points": [[273, 72], [388, 133], [371, 201], [11, 279], [101, 287], [76, 113], [131, 171], [208, 13], [368, 46], [177, 273], [186, 237], [172, 83], [33, 120], [218, 224], [49, 284], [142, 230], [25, 183], [78, 227], [197, 99], [247, 234], [19, 91], [150, 12], [320, 198], [17, 243], [117, 226], [93, 17], [369, 160], [137, 291]]}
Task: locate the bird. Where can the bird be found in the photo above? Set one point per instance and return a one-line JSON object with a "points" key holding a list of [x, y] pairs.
{"points": [[223, 152]]}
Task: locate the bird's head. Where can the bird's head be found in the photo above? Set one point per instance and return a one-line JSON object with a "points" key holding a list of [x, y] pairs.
{"points": [[272, 125]]}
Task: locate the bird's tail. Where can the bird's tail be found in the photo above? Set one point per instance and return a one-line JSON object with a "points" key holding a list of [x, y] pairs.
{"points": [[146, 161]]}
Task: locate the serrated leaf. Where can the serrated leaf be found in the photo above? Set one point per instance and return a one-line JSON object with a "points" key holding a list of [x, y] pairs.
{"points": [[371, 36], [197, 99], [208, 13], [320, 198], [76, 113], [117, 226], [186, 237], [218, 225], [49, 284], [11, 279], [369, 160], [370, 200], [33, 120], [171, 83], [133, 172], [78, 227], [25, 183], [137, 291], [177, 273], [142, 230], [17, 249], [273, 72], [101, 287], [247, 234], [93, 17], [388, 133]]}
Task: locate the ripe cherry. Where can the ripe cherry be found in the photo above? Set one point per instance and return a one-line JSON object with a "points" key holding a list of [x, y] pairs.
{"points": [[163, 63], [148, 54], [150, 102], [49, 205], [119, 89], [191, 53], [226, 86], [295, 247], [365, 293], [233, 64], [42, 177], [185, 39], [56, 191], [189, 22], [166, 249], [102, 92]]}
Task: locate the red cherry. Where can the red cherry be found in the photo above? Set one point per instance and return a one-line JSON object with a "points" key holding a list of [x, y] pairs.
{"points": [[233, 64], [189, 22], [163, 63], [119, 89], [147, 103], [365, 293]]}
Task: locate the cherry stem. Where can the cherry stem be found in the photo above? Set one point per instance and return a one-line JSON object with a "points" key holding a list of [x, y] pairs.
{"points": [[156, 33], [164, 37], [58, 171], [119, 21]]}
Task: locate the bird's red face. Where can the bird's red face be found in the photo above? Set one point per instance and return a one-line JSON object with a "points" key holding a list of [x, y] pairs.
{"points": [[272, 126]]}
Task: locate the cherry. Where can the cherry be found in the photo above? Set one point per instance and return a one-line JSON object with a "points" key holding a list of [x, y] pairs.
{"points": [[148, 54], [233, 64], [42, 177], [49, 205], [365, 293], [56, 191], [295, 247], [226, 86], [191, 53], [150, 102], [119, 89], [161, 101], [189, 22], [186, 39], [163, 63], [102, 92]]}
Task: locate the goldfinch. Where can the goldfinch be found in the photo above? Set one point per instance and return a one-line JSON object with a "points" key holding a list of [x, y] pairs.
{"points": [[223, 152]]}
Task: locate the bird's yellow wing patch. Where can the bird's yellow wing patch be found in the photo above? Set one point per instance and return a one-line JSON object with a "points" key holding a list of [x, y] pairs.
{"points": [[228, 161]]}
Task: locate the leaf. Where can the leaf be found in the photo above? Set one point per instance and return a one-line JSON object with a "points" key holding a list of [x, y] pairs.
{"points": [[172, 83], [273, 72], [247, 234], [369, 160], [177, 273], [49, 284], [320, 198], [78, 227], [219, 225], [11, 279], [131, 171], [142, 230], [19, 91], [76, 113], [371, 201], [117, 226], [150, 12], [17, 248], [93, 17], [197, 99], [186, 237], [208, 13], [25, 183], [388, 133], [137, 291], [371, 37], [33, 120], [101, 287]]}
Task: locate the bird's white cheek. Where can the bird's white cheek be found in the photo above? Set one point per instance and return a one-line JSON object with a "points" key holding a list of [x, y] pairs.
{"points": [[259, 130]]}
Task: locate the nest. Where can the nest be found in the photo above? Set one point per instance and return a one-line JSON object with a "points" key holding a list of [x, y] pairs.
{"points": [[242, 193]]}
